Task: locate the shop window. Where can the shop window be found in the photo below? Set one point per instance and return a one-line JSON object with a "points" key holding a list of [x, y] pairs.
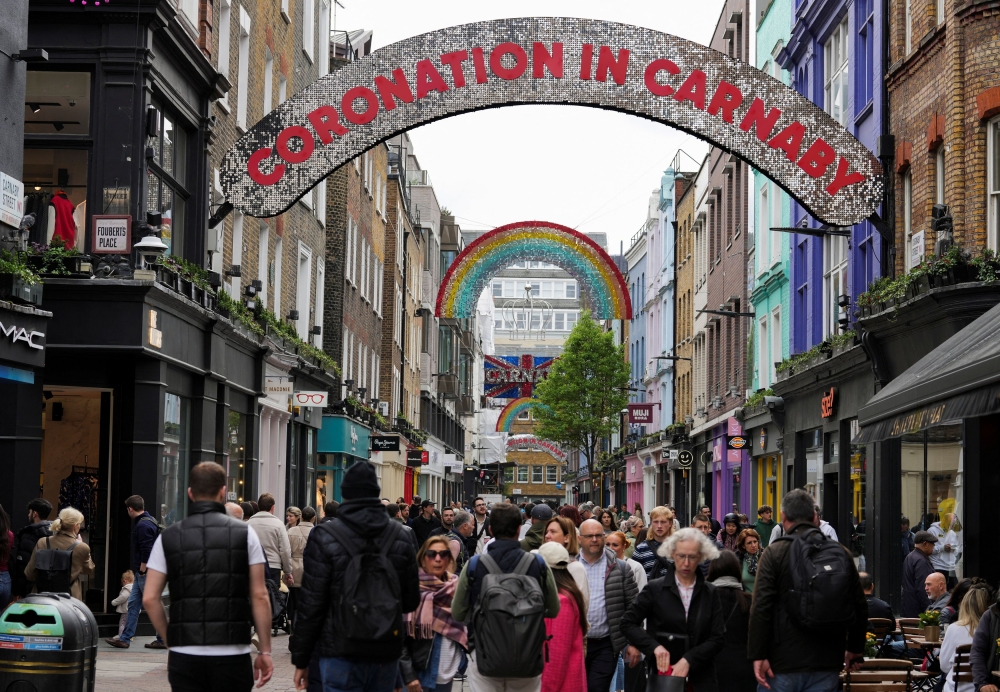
{"points": [[309, 463], [176, 459], [522, 474], [536, 474], [551, 474], [508, 474], [932, 491], [835, 66], [166, 190], [45, 172], [237, 457], [736, 480], [834, 281], [993, 182], [814, 465], [57, 104]]}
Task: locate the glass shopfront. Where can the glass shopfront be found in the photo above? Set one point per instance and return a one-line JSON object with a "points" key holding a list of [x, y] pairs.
{"points": [[176, 458], [236, 473]]}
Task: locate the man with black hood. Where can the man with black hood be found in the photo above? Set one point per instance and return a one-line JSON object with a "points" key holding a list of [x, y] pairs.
{"points": [[368, 557], [27, 538]]}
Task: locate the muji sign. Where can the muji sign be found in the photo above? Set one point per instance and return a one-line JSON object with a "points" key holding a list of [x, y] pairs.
{"points": [[554, 60]]}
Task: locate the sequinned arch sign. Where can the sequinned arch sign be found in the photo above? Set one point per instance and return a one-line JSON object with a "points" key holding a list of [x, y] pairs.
{"points": [[554, 60]]}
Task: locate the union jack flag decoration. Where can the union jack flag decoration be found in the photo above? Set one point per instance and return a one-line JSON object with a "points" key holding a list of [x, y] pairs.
{"points": [[510, 377]]}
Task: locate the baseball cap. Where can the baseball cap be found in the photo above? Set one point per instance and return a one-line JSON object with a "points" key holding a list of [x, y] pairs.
{"points": [[541, 512], [924, 537], [427, 503], [554, 554]]}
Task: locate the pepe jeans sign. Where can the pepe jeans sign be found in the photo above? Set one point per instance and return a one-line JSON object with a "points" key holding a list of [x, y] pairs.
{"points": [[654, 75]]}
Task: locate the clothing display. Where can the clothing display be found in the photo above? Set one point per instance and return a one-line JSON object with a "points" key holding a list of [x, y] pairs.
{"points": [[79, 490], [65, 226], [37, 203]]}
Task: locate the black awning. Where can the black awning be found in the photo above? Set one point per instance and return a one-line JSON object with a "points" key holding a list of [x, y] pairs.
{"points": [[958, 379]]}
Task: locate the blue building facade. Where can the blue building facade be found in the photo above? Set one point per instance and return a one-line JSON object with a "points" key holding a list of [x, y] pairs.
{"points": [[834, 58], [635, 258]]}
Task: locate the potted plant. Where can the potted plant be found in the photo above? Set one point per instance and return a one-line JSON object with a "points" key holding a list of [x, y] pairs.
{"points": [[871, 645], [18, 281], [931, 622]]}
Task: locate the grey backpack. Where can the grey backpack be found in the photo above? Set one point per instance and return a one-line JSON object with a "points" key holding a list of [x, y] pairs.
{"points": [[509, 621]]}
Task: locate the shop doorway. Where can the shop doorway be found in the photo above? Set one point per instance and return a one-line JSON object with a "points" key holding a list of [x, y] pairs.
{"points": [[76, 466]]}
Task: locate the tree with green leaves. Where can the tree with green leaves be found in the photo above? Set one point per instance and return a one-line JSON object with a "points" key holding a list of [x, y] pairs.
{"points": [[585, 390]]}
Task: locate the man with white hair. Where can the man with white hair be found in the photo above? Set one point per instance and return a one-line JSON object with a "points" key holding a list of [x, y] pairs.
{"points": [[612, 590], [234, 510]]}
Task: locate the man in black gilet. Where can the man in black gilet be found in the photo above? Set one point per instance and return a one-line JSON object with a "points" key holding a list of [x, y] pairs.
{"points": [[214, 565]]}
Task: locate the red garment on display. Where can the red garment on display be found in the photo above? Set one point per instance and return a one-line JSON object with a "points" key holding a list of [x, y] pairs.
{"points": [[65, 225]]}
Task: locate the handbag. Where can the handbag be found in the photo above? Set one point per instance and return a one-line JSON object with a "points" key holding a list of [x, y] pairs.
{"points": [[665, 683], [677, 644]]}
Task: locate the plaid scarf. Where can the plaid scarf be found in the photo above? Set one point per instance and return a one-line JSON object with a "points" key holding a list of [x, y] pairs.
{"points": [[434, 612]]}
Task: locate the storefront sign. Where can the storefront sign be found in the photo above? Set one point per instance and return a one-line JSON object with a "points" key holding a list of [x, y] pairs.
{"points": [[154, 335], [385, 443], [640, 414], [584, 62], [418, 457], [685, 458], [278, 386], [11, 200], [511, 377], [530, 441], [763, 439], [827, 402], [317, 399], [111, 235], [737, 442], [341, 435]]}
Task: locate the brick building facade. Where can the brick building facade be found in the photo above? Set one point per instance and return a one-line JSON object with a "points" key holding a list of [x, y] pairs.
{"points": [[684, 312]]}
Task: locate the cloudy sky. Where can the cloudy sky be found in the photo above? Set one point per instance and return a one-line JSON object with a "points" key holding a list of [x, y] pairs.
{"points": [[582, 167]]}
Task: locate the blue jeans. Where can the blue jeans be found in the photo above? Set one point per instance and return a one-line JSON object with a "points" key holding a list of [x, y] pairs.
{"points": [[341, 675], [803, 682], [134, 608], [4, 590]]}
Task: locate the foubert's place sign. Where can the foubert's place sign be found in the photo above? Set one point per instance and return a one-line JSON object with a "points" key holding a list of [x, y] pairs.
{"points": [[554, 60]]}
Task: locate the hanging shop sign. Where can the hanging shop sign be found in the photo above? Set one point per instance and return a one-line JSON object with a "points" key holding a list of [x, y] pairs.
{"points": [[317, 399], [583, 62], [342, 435], [737, 442], [763, 438], [278, 386], [827, 402], [385, 443], [111, 235], [640, 414], [11, 200], [512, 377], [418, 457], [685, 458], [515, 442]]}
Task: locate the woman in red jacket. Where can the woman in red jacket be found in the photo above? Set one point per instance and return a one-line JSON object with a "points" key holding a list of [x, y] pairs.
{"points": [[564, 669]]}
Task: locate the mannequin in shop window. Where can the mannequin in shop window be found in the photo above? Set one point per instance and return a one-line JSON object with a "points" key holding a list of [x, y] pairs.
{"points": [[61, 221]]}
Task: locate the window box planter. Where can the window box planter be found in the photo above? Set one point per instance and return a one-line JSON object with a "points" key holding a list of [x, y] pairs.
{"points": [[16, 290]]}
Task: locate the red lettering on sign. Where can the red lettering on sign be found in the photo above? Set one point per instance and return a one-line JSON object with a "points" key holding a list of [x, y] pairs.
{"points": [[520, 61], [429, 79], [693, 89], [826, 403], [789, 140], [326, 121], [755, 116], [817, 158], [286, 135], [259, 177], [542, 59], [587, 61], [390, 90], [842, 178], [727, 98], [479, 64], [454, 61], [608, 63], [347, 105], [653, 69]]}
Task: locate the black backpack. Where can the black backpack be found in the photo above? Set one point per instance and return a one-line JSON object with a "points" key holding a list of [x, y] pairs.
{"points": [[367, 605], [53, 569], [509, 620], [822, 575]]}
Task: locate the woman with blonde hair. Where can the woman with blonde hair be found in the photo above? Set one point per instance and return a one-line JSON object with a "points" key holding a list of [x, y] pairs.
{"points": [[66, 537], [970, 612]]}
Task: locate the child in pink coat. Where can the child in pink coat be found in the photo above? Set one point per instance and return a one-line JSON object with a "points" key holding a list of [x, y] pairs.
{"points": [[565, 668]]}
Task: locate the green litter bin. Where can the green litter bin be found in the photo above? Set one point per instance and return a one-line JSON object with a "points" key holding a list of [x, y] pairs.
{"points": [[48, 643]]}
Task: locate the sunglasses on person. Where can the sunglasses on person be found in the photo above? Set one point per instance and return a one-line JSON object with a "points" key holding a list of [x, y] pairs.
{"points": [[443, 554]]}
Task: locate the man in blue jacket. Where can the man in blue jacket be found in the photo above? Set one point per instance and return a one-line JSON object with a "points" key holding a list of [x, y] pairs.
{"points": [[144, 533]]}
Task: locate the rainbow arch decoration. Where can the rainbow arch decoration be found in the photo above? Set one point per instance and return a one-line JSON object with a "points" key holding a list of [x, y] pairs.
{"points": [[512, 410], [494, 251]]}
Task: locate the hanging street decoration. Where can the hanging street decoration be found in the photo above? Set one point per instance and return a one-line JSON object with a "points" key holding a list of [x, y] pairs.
{"points": [[509, 377], [514, 409], [527, 441], [570, 250], [584, 62]]}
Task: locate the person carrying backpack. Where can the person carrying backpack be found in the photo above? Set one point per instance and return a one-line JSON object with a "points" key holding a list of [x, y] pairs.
{"points": [[145, 531], [504, 595], [359, 576], [809, 613], [25, 541], [60, 559]]}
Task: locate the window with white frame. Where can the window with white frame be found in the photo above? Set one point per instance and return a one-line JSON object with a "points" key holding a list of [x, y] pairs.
{"points": [[940, 10], [321, 202], [536, 474], [364, 267], [324, 32], [243, 67], [776, 241], [764, 355], [278, 262], [522, 474], [345, 366], [551, 474], [834, 280], [237, 250], [835, 69], [263, 257], [284, 11], [939, 175], [302, 281], [993, 182], [763, 211], [776, 342], [908, 26], [908, 210], [320, 296], [282, 89], [268, 81], [225, 31], [309, 28]]}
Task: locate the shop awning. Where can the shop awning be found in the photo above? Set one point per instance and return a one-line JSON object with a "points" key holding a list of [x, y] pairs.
{"points": [[958, 379]]}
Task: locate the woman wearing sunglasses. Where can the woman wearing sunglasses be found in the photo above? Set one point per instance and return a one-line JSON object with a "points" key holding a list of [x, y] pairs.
{"points": [[436, 643]]}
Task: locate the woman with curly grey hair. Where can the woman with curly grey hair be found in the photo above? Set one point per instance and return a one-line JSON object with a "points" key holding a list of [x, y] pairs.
{"points": [[684, 606]]}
